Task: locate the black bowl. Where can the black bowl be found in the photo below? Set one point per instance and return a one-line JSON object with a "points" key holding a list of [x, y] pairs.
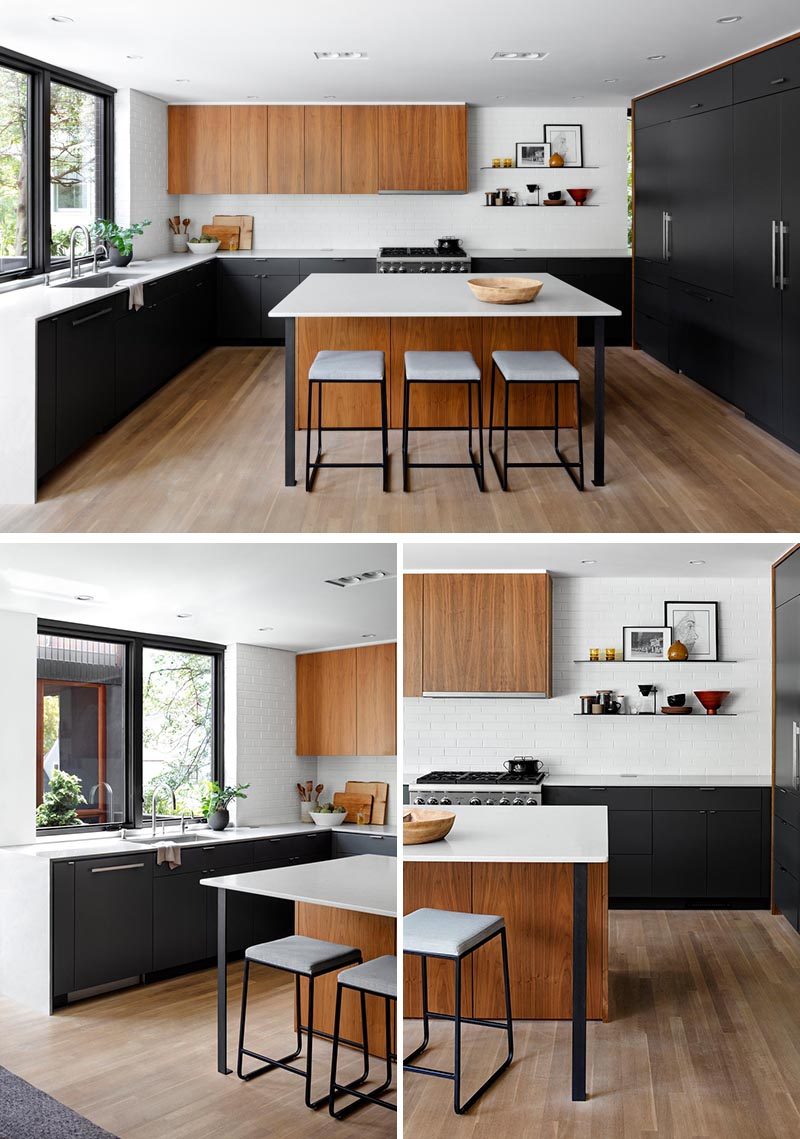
{"points": [[677, 701], [554, 195]]}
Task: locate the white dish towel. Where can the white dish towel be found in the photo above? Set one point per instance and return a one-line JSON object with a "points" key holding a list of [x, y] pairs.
{"points": [[168, 852], [135, 295]]}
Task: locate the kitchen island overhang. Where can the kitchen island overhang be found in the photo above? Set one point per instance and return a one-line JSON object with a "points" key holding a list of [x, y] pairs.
{"points": [[393, 314]]}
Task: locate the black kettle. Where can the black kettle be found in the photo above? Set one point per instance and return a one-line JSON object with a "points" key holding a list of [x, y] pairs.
{"points": [[523, 765], [449, 245]]}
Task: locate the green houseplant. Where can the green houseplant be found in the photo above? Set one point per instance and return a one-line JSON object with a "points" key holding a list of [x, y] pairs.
{"points": [[60, 800], [118, 239], [215, 802]]}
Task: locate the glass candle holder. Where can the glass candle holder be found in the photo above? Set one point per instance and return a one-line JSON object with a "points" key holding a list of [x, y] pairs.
{"points": [[594, 654], [611, 654]]}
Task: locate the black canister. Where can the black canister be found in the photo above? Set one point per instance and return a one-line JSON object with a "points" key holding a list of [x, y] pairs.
{"points": [[586, 705]]}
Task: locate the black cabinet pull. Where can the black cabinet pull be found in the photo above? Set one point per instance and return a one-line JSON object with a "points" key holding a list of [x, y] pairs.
{"points": [[273, 840], [114, 869], [777, 82], [712, 812], [94, 316], [702, 812], [695, 106], [706, 788], [597, 788], [708, 300]]}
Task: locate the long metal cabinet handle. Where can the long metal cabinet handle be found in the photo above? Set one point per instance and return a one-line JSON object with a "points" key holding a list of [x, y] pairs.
{"points": [[113, 869], [796, 755], [94, 316], [668, 238], [663, 235], [784, 230], [774, 254]]}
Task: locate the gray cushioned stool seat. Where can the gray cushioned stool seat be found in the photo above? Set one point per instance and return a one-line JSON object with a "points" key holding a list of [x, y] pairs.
{"points": [[347, 366], [441, 366], [376, 976], [445, 933], [535, 367], [305, 955]]}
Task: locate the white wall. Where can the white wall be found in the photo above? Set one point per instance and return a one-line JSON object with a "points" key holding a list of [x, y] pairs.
{"points": [[140, 159], [334, 771], [365, 222], [476, 733], [17, 727]]}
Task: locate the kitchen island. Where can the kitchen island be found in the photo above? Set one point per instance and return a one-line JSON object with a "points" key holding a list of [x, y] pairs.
{"points": [[545, 873], [396, 314]]}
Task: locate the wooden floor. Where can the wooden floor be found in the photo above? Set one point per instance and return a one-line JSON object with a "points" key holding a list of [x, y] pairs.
{"points": [[142, 1063], [205, 454], [704, 1041]]}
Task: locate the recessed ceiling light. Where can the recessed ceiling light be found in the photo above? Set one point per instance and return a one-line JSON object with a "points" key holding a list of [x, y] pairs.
{"points": [[266, 628], [62, 19], [183, 615], [697, 562], [329, 97], [525, 56], [588, 561], [84, 597], [134, 57], [729, 19], [182, 80], [322, 55], [501, 98], [368, 636], [576, 98], [611, 80], [373, 575], [358, 578], [253, 96], [654, 58]]}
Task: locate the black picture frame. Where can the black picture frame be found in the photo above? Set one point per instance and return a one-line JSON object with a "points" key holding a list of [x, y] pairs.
{"points": [[551, 128], [532, 166], [711, 608], [644, 659]]}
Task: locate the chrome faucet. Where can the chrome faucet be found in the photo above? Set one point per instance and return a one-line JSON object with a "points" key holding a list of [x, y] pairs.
{"points": [[98, 249], [76, 229], [160, 787]]}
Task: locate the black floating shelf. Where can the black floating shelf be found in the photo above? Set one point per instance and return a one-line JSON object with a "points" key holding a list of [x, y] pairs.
{"points": [[569, 205], [535, 169], [651, 716], [649, 663]]}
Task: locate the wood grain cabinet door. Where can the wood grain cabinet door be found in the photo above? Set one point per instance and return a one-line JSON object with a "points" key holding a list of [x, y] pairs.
{"points": [[359, 150], [440, 886], [376, 687], [326, 703], [199, 149], [413, 587], [286, 149], [423, 148], [323, 150], [249, 150], [486, 632], [451, 170]]}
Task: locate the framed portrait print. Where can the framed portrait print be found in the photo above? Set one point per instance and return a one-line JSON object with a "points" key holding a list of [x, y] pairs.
{"points": [[646, 642], [566, 141], [695, 624], [532, 154]]}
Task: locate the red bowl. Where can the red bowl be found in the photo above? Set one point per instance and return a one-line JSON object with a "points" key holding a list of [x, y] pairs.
{"points": [[579, 195], [712, 700]]}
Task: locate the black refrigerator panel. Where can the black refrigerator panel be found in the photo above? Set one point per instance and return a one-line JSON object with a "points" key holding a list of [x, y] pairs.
{"points": [[787, 695], [653, 160], [789, 263]]}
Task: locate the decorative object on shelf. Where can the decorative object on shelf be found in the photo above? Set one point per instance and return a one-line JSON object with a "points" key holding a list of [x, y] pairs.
{"points": [[677, 651], [605, 698], [579, 195], [594, 655], [497, 163], [645, 705], [611, 654], [508, 163], [684, 710], [695, 625], [554, 202], [309, 795], [214, 802], [326, 815], [554, 196], [556, 160], [645, 642], [491, 197], [712, 700], [533, 189], [203, 245], [426, 826], [533, 154], [586, 704], [505, 290], [677, 701], [565, 141], [597, 709], [117, 239]]}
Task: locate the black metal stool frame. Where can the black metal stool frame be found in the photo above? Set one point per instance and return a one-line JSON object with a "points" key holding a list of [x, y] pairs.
{"points": [[476, 465], [459, 1107], [268, 1062], [312, 468], [502, 473], [361, 1098]]}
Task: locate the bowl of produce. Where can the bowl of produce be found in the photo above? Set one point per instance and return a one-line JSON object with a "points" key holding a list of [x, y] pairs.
{"points": [[505, 290], [426, 826], [204, 244], [326, 815]]}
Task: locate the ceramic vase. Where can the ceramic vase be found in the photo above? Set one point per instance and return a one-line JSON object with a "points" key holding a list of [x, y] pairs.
{"points": [[677, 651], [218, 820]]}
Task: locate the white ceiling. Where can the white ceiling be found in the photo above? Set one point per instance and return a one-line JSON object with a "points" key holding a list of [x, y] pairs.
{"points": [[231, 589], [419, 50], [612, 559]]}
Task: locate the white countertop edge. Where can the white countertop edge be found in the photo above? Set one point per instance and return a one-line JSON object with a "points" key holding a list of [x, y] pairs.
{"points": [[497, 834]]}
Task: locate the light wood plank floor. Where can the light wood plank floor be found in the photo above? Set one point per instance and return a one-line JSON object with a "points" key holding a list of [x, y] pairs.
{"points": [[205, 455], [142, 1063], [704, 1043]]}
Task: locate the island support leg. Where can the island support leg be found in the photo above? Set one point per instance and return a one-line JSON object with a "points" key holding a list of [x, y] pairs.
{"points": [[222, 984], [599, 401], [289, 425], [579, 935]]}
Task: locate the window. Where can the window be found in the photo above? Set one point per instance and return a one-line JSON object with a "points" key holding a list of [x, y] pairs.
{"points": [[56, 144], [121, 716]]}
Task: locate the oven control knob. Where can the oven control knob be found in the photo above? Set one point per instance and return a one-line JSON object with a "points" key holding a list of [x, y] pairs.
{"points": [[392, 268], [463, 269], [488, 802], [502, 802], [433, 802], [474, 801], [531, 803], [445, 802], [419, 801], [517, 803], [401, 269], [381, 268], [423, 268]]}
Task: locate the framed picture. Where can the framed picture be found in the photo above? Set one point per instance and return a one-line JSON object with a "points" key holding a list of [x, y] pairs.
{"points": [[566, 141], [695, 624], [533, 154], [646, 642]]}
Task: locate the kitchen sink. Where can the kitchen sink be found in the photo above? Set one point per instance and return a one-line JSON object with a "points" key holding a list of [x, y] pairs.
{"points": [[177, 839], [106, 280]]}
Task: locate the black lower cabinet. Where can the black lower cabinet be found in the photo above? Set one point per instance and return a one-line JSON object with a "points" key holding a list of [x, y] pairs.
{"points": [[239, 306], [679, 854], [700, 345], [630, 876], [46, 390], [734, 854], [272, 917], [63, 921], [113, 919], [239, 916], [786, 894], [346, 844], [179, 920], [85, 376]]}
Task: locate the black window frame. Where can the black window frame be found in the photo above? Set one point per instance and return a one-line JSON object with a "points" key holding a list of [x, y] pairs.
{"points": [[42, 75], [135, 644]]}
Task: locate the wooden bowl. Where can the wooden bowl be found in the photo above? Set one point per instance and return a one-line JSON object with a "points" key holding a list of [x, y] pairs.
{"points": [[426, 826], [505, 290]]}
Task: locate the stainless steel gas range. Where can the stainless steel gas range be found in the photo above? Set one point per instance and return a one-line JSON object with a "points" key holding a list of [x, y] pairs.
{"points": [[477, 789], [422, 259]]}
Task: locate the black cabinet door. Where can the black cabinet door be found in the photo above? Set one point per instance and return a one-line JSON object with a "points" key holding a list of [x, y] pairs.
{"points": [[679, 854], [63, 940], [239, 922], [787, 695], [734, 854], [179, 920], [787, 578], [701, 191], [790, 297], [141, 338], [653, 167], [84, 376], [113, 919], [700, 337], [272, 917], [786, 894], [630, 832], [755, 330], [630, 876], [46, 369], [239, 310], [346, 845], [273, 290]]}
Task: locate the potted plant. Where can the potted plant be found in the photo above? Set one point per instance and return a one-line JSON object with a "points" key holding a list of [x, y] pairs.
{"points": [[60, 800], [326, 815], [215, 802], [117, 239]]}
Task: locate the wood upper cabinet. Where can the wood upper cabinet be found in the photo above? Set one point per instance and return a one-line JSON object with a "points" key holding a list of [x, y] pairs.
{"points": [[323, 150], [249, 150], [486, 632], [347, 702], [413, 588], [360, 126], [286, 150], [199, 149], [423, 148]]}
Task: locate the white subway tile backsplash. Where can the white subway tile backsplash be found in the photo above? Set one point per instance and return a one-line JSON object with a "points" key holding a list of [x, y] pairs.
{"points": [[140, 159]]}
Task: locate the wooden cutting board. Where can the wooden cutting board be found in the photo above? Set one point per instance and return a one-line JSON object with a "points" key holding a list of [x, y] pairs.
{"points": [[379, 793], [245, 224], [353, 804], [224, 234]]}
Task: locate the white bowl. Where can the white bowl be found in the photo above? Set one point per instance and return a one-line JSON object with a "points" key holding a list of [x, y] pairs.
{"points": [[203, 247], [328, 818]]}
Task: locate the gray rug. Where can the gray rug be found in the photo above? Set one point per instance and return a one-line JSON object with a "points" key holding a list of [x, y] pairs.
{"points": [[27, 1113]]}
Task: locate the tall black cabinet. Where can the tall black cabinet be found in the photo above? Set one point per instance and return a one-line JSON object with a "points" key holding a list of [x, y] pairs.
{"points": [[786, 821]]}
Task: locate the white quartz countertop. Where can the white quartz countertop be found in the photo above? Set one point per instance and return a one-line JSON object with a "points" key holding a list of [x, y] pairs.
{"points": [[76, 846], [688, 779], [366, 883], [569, 253], [325, 254], [361, 294], [500, 834]]}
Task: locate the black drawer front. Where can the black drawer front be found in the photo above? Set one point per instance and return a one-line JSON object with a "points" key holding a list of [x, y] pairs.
{"points": [[787, 846], [337, 265], [512, 265], [786, 893], [590, 266], [251, 266], [767, 73], [694, 97], [291, 846], [630, 832], [346, 845], [630, 876], [652, 300], [656, 272], [652, 336], [707, 798], [208, 856], [315, 846], [616, 798], [787, 806]]}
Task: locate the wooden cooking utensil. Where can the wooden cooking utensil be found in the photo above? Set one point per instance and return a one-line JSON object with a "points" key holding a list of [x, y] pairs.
{"points": [[353, 804]]}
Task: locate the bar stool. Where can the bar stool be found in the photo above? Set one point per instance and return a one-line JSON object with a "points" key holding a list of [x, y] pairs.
{"points": [[303, 957], [454, 936], [346, 368], [377, 978], [438, 368], [535, 368]]}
